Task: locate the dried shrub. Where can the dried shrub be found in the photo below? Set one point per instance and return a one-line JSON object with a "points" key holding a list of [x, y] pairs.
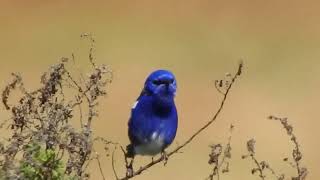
{"points": [[262, 166], [219, 157], [43, 142]]}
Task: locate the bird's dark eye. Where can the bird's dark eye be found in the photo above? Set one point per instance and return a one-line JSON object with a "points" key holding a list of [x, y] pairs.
{"points": [[156, 82], [166, 81]]}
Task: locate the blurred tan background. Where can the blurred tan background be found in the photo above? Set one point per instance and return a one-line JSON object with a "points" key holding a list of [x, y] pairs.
{"points": [[199, 40]]}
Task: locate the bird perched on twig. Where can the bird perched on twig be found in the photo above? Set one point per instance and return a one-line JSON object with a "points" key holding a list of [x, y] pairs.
{"points": [[154, 119]]}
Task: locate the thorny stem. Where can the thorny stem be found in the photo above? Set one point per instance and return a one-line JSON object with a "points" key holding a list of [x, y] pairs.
{"points": [[189, 140]]}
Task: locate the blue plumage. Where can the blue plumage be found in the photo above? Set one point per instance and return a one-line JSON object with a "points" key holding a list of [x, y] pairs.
{"points": [[154, 119]]}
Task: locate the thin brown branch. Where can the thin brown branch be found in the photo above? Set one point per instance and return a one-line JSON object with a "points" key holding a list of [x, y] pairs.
{"points": [[259, 169], [113, 163], [260, 166], [100, 168], [190, 139]]}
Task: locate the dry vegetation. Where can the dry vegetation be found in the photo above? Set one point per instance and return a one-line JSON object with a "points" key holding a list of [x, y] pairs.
{"points": [[43, 143]]}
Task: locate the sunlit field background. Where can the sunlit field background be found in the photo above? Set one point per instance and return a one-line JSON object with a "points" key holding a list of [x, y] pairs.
{"points": [[200, 41]]}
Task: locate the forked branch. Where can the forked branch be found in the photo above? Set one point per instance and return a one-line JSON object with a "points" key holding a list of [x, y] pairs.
{"points": [[225, 85]]}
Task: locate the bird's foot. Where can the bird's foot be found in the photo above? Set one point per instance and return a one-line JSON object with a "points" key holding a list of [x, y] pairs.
{"points": [[129, 167], [164, 157]]}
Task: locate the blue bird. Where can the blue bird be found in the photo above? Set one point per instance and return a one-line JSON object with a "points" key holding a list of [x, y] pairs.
{"points": [[154, 119]]}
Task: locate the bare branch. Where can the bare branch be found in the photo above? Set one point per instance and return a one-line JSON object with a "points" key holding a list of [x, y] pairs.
{"points": [[100, 168], [189, 140], [113, 164]]}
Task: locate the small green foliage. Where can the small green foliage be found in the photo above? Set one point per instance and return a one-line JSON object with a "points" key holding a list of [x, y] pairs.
{"points": [[1, 174], [42, 164]]}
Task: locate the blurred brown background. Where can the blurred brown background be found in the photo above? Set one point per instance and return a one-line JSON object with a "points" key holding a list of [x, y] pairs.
{"points": [[199, 40]]}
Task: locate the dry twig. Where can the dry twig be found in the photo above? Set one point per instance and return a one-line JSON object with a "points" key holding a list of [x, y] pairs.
{"points": [[215, 156], [228, 85], [263, 165]]}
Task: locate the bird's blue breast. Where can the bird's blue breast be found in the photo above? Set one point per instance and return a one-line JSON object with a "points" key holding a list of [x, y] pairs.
{"points": [[152, 127]]}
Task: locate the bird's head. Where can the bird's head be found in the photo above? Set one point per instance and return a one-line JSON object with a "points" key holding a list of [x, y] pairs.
{"points": [[161, 83]]}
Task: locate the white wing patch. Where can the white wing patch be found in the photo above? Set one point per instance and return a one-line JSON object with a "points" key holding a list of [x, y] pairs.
{"points": [[154, 136], [135, 104]]}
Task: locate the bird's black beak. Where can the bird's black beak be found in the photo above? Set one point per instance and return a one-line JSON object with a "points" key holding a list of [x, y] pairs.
{"points": [[167, 85]]}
